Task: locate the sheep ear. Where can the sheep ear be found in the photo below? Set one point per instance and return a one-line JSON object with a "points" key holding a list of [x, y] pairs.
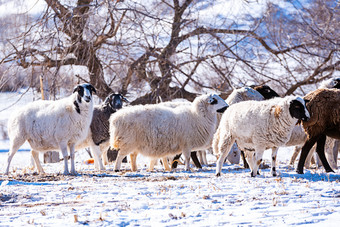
{"points": [[124, 99], [107, 99], [92, 88], [75, 89]]}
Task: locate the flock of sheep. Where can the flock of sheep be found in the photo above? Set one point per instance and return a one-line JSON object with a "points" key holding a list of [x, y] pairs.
{"points": [[250, 121]]}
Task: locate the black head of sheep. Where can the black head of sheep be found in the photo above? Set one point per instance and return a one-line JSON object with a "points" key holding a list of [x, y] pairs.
{"points": [[298, 110], [336, 83], [84, 91], [115, 101], [265, 91]]}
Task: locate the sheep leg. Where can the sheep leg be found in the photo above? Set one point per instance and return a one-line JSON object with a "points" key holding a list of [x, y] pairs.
{"points": [[194, 158], [96, 153], [310, 158], [224, 148], [274, 155], [15, 145], [119, 160], [105, 158], [330, 148], [166, 164], [35, 156], [72, 154], [174, 164], [133, 163], [320, 149], [152, 163], [186, 154], [295, 154], [304, 152], [245, 163], [335, 154], [255, 161], [200, 156], [63, 148], [204, 156]]}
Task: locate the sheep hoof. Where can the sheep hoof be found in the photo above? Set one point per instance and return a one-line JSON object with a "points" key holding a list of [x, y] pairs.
{"points": [[116, 170], [329, 171], [274, 174], [66, 173], [299, 171], [218, 174], [252, 174]]}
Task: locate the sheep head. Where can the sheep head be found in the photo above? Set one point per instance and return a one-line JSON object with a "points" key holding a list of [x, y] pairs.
{"points": [[115, 101], [221, 105], [84, 92], [297, 109]]}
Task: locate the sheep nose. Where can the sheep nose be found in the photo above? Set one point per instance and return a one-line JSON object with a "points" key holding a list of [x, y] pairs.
{"points": [[87, 98]]}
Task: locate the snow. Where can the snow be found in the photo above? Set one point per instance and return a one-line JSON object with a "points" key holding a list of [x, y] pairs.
{"points": [[167, 198], [161, 198]]}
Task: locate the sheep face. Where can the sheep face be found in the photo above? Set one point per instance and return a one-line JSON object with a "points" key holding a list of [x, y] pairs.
{"points": [[115, 101], [265, 91], [221, 105], [297, 109], [336, 83], [84, 92]]}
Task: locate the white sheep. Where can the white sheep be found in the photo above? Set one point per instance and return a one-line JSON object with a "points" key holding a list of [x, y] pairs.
{"points": [[240, 95], [52, 125], [158, 131], [257, 126]]}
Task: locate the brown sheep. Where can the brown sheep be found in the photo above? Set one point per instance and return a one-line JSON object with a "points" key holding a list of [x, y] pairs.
{"points": [[323, 105]]}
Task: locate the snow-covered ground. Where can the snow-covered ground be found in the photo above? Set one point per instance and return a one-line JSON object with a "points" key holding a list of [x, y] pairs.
{"points": [[167, 198], [160, 198]]}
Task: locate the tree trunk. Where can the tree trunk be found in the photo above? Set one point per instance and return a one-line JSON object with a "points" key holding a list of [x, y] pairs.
{"points": [[49, 156]]}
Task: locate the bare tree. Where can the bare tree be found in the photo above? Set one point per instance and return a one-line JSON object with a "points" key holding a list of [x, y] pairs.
{"points": [[164, 50]]}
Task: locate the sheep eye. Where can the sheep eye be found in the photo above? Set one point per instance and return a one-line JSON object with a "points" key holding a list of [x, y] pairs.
{"points": [[213, 101]]}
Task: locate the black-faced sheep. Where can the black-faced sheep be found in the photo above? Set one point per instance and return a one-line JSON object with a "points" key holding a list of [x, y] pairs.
{"points": [[52, 125], [323, 104], [158, 131], [265, 91], [100, 127], [257, 126]]}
